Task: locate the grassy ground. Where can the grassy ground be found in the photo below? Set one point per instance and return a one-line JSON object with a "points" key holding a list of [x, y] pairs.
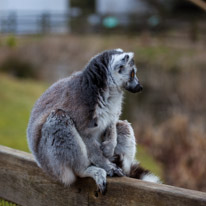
{"points": [[16, 100], [148, 162]]}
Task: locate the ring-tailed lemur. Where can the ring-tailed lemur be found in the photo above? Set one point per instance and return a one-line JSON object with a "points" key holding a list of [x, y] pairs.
{"points": [[74, 128]]}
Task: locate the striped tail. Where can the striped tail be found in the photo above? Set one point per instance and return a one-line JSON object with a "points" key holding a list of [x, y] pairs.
{"points": [[139, 172]]}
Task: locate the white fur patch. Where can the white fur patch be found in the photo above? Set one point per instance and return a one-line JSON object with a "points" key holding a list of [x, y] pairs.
{"points": [[108, 110], [68, 177], [127, 162], [151, 178], [116, 58], [119, 50]]}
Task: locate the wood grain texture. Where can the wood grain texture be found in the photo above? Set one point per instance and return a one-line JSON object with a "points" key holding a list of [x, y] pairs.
{"points": [[23, 182]]}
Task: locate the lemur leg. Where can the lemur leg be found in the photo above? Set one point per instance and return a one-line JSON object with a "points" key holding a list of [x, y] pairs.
{"points": [[126, 145], [124, 154], [62, 152], [109, 141]]}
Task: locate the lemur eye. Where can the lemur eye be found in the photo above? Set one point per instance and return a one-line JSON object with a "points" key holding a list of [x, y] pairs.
{"points": [[132, 74]]}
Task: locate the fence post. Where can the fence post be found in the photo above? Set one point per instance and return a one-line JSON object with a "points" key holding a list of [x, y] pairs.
{"points": [[45, 23]]}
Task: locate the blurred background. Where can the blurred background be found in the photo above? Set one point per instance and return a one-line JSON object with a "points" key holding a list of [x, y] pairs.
{"points": [[43, 41]]}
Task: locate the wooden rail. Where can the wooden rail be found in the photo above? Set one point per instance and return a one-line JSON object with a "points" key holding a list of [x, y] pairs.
{"points": [[22, 182]]}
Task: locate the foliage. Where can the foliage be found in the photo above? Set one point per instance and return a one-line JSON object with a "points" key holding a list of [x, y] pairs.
{"points": [[6, 203], [86, 5], [11, 41], [180, 146], [18, 68]]}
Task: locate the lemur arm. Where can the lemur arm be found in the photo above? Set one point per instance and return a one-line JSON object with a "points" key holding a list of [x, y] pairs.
{"points": [[109, 141]]}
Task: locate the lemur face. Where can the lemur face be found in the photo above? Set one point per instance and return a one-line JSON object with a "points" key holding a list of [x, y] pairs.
{"points": [[123, 71]]}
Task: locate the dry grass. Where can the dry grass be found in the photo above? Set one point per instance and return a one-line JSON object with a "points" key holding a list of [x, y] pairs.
{"points": [[57, 56], [180, 146]]}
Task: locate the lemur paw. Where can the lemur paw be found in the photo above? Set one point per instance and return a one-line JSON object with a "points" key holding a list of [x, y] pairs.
{"points": [[102, 188], [101, 181], [107, 149]]}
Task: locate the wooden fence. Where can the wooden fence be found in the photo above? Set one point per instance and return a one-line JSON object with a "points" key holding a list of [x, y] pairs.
{"points": [[23, 183]]}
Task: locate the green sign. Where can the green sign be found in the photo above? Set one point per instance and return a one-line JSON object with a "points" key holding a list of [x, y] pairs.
{"points": [[110, 22]]}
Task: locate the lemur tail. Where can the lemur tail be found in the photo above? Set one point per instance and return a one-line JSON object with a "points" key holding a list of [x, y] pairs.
{"points": [[139, 172]]}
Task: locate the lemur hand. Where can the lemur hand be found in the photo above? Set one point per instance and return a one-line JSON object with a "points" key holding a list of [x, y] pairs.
{"points": [[107, 148], [113, 170]]}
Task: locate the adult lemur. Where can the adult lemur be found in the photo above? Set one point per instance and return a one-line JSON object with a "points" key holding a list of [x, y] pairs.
{"points": [[74, 128]]}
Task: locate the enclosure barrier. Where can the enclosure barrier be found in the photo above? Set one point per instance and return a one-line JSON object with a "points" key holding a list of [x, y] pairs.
{"points": [[23, 183]]}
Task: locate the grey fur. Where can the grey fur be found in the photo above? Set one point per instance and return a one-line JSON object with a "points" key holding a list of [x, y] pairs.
{"points": [[109, 141], [74, 128]]}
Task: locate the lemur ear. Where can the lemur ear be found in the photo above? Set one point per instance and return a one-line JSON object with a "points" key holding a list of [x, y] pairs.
{"points": [[126, 58]]}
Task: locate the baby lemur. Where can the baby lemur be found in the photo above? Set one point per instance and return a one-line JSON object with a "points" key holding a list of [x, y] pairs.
{"points": [[74, 128]]}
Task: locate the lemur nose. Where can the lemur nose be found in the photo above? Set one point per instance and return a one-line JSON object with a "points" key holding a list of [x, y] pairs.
{"points": [[139, 88]]}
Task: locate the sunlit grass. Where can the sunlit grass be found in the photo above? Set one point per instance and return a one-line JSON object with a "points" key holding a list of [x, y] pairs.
{"points": [[6, 203], [148, 162]]}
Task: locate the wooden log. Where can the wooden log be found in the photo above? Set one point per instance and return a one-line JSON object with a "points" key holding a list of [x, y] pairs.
{"points": [[24, 183]]}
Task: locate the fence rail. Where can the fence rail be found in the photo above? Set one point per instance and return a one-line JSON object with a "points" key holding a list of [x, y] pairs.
{"points": [[34, 23], [22, 182]]}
